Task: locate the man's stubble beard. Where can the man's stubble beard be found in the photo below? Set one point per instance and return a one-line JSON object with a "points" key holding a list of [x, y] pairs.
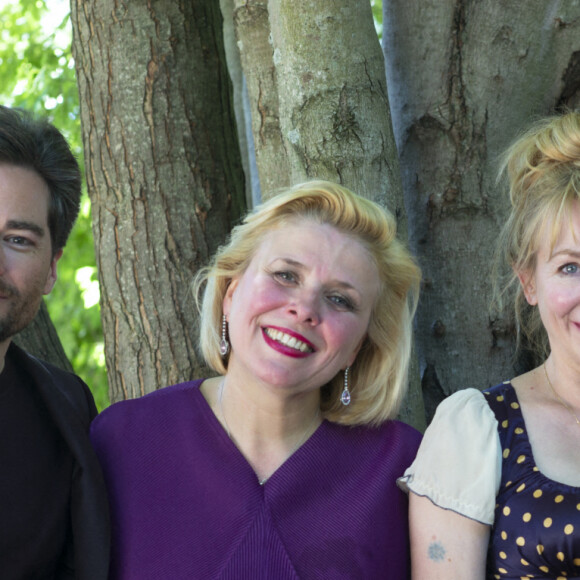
{"points": [[20, 312]]}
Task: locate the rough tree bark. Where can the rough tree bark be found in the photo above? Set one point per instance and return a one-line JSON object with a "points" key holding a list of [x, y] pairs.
{"points": [[464, 78], [163, 173], [252, 30], [334, 110], [317, 84]]}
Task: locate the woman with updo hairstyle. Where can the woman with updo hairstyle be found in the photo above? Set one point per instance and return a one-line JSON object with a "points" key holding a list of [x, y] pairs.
{"points": [[495, 487], [284, 465]]}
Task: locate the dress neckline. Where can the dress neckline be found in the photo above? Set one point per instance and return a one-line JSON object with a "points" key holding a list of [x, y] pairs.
{"points": [[227, 441], [528, 446]]}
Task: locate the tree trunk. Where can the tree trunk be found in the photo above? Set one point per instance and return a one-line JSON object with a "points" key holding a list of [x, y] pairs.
{"points": [[40, 339], [252, 30], [334, 110], [163, 173], [241, 106], [464, 79]]}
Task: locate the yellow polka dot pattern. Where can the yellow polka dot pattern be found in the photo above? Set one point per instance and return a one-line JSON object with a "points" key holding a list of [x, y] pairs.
{"points": [[535, 534]]}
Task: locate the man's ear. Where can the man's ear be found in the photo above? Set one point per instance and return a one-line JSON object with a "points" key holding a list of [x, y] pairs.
{"points": [[528, 282], [52, 274]]}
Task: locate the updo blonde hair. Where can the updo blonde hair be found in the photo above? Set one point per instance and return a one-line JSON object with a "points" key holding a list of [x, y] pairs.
{"points": [[543, 170], [378, 378]]}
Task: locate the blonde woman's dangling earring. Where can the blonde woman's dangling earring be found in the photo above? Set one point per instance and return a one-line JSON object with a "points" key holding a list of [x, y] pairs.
{"points": [[345, 396], [224, 344]]}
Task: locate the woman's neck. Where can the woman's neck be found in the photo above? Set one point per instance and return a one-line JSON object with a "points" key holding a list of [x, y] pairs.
{"points": [[266, 426]]}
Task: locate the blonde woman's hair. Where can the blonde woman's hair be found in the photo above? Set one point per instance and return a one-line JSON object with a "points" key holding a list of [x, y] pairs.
{"points": [[378, 377], [543, 170]]}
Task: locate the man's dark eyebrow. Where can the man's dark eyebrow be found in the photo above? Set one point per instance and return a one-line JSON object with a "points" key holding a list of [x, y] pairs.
{"points": [[27, 226]]}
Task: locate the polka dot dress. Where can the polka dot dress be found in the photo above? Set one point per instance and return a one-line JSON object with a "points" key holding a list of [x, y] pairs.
{"points": [[536, 531]]}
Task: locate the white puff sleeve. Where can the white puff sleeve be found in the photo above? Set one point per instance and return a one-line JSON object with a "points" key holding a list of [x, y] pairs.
{"points": [[458, 465]]}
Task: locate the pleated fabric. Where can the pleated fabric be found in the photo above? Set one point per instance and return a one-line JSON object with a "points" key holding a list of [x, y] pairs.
{"points": [[186, 504]]}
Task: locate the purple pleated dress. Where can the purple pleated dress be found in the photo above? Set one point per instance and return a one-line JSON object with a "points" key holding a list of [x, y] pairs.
{"points": [[186, 504]]}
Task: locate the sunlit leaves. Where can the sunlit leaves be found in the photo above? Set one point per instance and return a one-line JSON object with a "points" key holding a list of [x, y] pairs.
{"points": [[377, 8]]}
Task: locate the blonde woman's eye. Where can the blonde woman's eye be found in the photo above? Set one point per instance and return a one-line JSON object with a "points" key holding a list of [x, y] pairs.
{"points": [[341, 302], [285, 276], [570, 269]]}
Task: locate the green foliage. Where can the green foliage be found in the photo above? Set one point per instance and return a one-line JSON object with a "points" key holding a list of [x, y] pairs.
{"points": [[377, 8], [37, 73]]}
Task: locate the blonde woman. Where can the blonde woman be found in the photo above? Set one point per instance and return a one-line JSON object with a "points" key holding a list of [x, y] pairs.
{"points": [[283, 466], [496, 484]]}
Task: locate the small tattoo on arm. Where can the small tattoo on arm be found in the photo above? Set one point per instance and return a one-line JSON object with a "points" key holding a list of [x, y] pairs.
{"points": [[436, 552]]}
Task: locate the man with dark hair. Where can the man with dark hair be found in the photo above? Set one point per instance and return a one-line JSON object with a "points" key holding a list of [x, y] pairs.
{"points": [[53, 505]]}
